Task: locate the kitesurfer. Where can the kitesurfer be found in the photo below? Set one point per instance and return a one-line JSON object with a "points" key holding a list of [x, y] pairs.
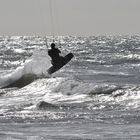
{"points": [[54, 54]]}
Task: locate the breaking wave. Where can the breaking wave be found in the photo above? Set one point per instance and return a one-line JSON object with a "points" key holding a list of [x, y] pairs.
{"points": [[33, 68]]}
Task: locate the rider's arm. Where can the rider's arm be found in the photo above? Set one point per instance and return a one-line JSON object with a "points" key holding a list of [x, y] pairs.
{"points": [[58, 51]]}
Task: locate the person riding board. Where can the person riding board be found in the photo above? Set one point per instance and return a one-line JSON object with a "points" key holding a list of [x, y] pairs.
{"points": [[54, 54]]}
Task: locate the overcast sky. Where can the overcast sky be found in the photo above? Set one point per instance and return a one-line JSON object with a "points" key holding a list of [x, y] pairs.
{"points": [[70, 17]]}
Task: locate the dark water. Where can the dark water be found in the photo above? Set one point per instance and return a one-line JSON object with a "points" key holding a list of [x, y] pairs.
{"points": [[95, 96]]}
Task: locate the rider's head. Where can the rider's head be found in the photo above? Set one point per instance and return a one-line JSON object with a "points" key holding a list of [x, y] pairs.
{"points": [[52, 45]]}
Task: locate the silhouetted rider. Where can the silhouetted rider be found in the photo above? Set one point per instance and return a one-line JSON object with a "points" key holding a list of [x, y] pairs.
{"points": [[54, 54]]}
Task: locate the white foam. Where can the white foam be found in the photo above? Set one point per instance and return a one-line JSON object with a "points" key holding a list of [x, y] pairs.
{"points": [[65, 89], [38, 63]]}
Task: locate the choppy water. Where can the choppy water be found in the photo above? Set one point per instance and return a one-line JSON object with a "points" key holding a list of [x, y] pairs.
{"points": [[95, 96]]}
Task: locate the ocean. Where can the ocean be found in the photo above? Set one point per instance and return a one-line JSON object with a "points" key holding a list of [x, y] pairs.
{"points": [[95, 96]]}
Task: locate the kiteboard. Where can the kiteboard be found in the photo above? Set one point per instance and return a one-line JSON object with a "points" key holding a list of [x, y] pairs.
{"points": [[60, 64]]}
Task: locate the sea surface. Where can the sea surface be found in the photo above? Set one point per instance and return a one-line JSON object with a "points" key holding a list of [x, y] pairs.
{"points": [[95, 96]]}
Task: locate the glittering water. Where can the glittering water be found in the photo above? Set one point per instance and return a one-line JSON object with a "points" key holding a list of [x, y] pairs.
{"points": [[95, 96]]}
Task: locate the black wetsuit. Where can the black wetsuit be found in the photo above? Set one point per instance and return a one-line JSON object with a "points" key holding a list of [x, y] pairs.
{"points": [[56, 58]]}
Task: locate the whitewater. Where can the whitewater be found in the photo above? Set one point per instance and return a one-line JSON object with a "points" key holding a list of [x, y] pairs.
{"points": [[95, 96]]}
